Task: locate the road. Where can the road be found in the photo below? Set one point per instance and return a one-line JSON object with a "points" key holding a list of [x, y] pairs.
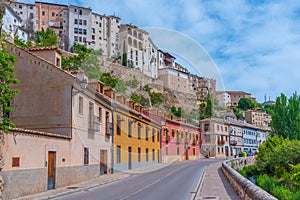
{"points": [[175, 181]]}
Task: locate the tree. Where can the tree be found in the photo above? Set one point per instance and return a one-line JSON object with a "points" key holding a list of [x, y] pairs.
{"points": [[286, 118], [45, 38], [124, 58], [7, 79], [76, 62], [245, 104]]}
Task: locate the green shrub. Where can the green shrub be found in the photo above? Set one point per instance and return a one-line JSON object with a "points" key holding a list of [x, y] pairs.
{"points": [[248, 171], [267, 183], [282, 193]]}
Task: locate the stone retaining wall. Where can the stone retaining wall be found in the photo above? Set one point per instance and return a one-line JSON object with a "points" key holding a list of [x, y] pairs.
{"points": [[245, 188]]}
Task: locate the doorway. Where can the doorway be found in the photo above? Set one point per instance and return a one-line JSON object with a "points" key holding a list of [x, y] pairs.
{"points": [[186, 154], [103, 161], [51, 169], [129, 158]]}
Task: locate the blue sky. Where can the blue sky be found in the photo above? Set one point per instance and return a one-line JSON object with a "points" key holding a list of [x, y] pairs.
{"points": [[255, 44]]}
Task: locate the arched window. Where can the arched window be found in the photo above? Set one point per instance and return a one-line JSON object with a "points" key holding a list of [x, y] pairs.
{"points": [[135, 43], [140, 36], [134, 33], [129, 31], [140, 46], [129, 41]]}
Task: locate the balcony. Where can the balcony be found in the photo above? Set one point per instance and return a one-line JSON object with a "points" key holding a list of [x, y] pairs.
{"points": [[233, 142], [108, 129], [94, 125], [221, 142]]}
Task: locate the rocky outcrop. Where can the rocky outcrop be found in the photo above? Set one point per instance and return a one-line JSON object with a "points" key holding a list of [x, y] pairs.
{"points": [[245, 188]]}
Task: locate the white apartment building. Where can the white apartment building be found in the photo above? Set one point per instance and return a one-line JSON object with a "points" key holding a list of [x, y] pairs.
{"points": [[11, 25], [77, 26], [223, 98], [105, 34], [27, 13], [141, 51]]}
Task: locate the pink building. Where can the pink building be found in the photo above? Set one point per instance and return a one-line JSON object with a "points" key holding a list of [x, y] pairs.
{"points": [[179, 140]]}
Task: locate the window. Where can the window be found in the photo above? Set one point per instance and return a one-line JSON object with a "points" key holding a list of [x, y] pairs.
{"points": [[75, 30], [93, 30], [20, 6], [84, 22], [178, 150], [129, 128], [75, 21], [118, 154], [194, 151], [139, 154], [173, 132], [75, 38], [100, 115], [139, 131], [153, 135], [53, 14], [147, 158], [147, 130], [206, 127], [158, 135], [84, 31], [118, 125], [31, 15], [16, 162], [207, 138], [80, 39], [75, 10], [43, 13], [80, 22], [91, 116], [80, 108], [86, 156], [153, 155], [80, 12], [80, 31]]}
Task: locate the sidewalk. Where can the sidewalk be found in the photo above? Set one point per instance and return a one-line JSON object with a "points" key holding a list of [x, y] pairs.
{"points": [[215, 185], [101, 180]]}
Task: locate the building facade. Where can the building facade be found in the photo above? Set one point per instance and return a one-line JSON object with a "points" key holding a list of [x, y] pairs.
{"points": [[27, 12], [136, 137], [72, 111], [12, 25], [250, 144], [258, 118], [235, 96], [140, 51], [174, 79], [223, 99], [216, 139]]}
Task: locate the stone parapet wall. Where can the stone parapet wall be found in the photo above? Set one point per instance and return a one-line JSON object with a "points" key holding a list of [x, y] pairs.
{"points": [[245, 188]]}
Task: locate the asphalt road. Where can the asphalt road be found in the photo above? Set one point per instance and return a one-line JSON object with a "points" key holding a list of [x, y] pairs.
{"points": [[175, 181]]}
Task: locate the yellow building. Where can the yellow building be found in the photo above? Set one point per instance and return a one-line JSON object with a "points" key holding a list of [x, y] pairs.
{"points": [[136, 139]]}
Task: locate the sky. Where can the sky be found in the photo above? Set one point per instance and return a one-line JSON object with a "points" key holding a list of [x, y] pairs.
{"points": [[254, 44]]}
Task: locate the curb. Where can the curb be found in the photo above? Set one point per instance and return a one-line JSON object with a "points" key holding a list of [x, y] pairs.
{"points": [[199, 185]]}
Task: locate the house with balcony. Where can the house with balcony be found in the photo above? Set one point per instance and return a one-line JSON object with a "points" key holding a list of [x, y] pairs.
{"points": [[235, 137], [69, 119], [250, 144], [216, 141]]}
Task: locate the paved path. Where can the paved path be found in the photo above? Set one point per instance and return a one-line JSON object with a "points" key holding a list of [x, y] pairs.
{"points": [[215, 185]]}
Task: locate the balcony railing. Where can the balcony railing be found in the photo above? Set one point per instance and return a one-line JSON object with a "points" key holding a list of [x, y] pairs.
{"points": [[221, 142], [94, 126], [108, 129]]}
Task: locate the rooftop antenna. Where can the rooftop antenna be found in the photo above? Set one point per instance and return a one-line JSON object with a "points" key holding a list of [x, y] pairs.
{"points": [[265, 98]]}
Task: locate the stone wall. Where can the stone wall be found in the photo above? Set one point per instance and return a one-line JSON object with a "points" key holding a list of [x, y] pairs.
{"points": [[32, 181], [245, 188]]}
